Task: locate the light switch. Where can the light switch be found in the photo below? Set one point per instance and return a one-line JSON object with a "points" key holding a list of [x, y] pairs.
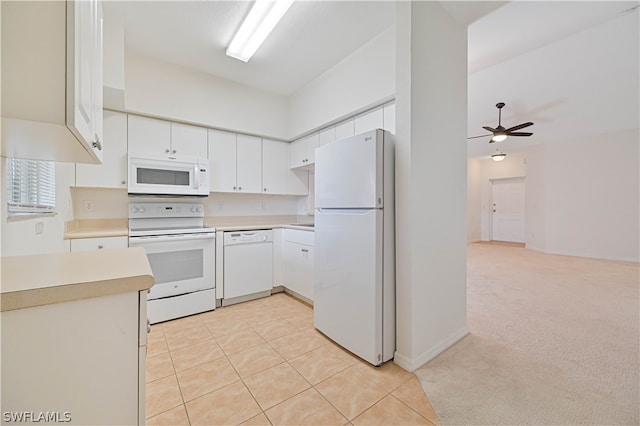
{"points": [[39, 227]]}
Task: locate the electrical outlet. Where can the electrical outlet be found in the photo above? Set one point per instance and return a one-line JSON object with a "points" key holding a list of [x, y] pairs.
{"points": [[262, 207], [39, 227], [88, 205], [220, 207]]}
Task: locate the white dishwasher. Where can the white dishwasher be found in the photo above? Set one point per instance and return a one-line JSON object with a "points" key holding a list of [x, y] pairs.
{"points": [[248, 265]]}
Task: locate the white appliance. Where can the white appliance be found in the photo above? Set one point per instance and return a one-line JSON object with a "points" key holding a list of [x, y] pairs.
{"points": [[248, 265], [181, 252], [354, 289], [151, 174]]}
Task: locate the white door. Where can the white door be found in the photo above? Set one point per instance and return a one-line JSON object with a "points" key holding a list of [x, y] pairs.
{"points": [[188, 140], [348, 173], [508, 210], [149, 135], [347, 296]]}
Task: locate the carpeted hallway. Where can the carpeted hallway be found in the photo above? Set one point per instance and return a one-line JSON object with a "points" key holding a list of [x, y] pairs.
{"points": [[554, 341]]}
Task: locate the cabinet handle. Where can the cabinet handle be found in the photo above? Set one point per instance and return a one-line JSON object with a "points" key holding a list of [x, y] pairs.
{"points": [[148, 326], [97, 144], [265, 190], [173, 152], [166, 151], [235, 188], [304, 250], [239, 188], [123, 182], [100, 246]]}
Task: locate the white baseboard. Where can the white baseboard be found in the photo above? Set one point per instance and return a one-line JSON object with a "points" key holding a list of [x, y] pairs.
{"points": [[412, 364]]}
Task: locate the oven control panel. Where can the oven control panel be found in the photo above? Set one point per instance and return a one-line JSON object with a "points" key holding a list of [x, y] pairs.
{"points": [[155, 210]]}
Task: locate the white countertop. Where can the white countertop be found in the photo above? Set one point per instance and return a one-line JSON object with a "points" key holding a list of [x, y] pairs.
{"points": [[44, 279]]}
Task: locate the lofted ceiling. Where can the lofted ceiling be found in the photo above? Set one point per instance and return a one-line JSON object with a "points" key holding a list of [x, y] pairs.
{"points": [[571, 67]]}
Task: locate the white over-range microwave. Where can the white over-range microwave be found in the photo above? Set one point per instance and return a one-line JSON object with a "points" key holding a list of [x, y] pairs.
{"points": [[156, 175]]}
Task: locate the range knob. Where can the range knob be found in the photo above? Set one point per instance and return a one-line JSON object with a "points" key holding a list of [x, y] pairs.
{"points": [[134, 210], [141, 210]]}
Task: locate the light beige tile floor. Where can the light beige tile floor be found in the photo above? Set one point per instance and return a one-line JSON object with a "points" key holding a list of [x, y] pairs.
{"points": [[263, 363]]}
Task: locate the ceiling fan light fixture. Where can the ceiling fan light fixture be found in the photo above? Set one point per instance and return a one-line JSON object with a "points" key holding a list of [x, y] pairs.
{"points": [[261, 20], [499, 137], [498, 156]]}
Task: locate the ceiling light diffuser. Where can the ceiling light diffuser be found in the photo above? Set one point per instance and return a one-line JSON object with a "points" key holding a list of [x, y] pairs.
{"points": [[499, 156], [261, 20], [499, 137]]}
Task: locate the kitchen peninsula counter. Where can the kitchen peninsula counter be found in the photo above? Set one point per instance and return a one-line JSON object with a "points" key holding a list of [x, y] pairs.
{"points": [[37, 280]]}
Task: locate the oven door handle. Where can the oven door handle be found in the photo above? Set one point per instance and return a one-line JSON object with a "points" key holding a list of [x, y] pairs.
{"points": [[169, 238]]}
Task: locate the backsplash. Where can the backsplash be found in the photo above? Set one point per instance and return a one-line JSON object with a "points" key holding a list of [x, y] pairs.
{"points": [[106, 203]]}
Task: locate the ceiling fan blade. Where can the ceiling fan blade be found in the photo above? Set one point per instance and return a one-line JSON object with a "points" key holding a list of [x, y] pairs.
{"points": [[481, 136], [489, 129], [518, 127], [520, 134]]}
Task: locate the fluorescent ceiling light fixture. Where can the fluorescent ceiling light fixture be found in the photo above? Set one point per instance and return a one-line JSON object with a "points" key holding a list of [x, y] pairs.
{"points": [[261, 20]]}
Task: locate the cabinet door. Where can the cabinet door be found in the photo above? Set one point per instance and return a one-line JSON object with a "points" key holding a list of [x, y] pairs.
{"points": [[188, 140], [87, 244], [389, 117], [112, 173], [297, 154], [274, 167], [149, 136], [222, 161], [327, 136], [84, 72], [370, 120], [293, 266], [345, 130], [249, 163], [307, 282], [312, 142]]}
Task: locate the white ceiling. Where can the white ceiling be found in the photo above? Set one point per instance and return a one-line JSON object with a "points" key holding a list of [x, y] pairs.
{"points": [[533, 55]]}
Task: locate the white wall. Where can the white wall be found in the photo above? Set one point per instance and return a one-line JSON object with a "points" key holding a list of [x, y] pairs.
{"points": [[592, 196], [535, 205], [431, 181], [19, 234], [113, 203], [158, 88], [363, 79]]}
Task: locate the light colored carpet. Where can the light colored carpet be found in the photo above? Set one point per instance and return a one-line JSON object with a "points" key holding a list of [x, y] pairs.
{"points": [[554, 340]]}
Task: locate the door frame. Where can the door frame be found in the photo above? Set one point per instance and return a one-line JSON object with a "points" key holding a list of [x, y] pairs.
{"points": [[513, 179]]}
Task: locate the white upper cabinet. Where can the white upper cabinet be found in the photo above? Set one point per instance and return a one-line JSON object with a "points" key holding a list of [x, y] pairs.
{"points": [[327, 136], [52, 80], [188, 140], [160, 137], [302, 152], [277, 177], [222, 161], [249, 163], [235, 162], [389, 117], [345, 129], [370, 120], [274, 167], [112, 173]]}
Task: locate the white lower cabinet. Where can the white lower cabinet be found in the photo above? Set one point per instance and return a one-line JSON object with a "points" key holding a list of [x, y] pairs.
{"points": [[79, 361], [86, 244], [297, 256]]}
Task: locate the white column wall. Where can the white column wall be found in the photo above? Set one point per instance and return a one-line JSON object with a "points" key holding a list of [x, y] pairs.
{"points": [[474, 200], [431, 186]]}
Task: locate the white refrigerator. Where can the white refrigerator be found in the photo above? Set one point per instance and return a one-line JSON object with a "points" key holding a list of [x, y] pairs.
{"points": [[354, 288]]}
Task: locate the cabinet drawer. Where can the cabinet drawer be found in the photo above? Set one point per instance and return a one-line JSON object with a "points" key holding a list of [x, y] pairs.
{"points": [[298, 236], [85, 244]]}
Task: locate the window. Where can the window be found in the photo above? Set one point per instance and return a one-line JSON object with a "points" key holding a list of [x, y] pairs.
{"points": [[31, 187]]}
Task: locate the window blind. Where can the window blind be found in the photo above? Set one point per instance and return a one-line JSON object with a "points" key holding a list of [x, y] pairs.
{"points": [[31, 186]]}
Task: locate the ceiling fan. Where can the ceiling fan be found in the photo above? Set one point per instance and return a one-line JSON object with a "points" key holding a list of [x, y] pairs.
{"points": [[500, 133]]}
